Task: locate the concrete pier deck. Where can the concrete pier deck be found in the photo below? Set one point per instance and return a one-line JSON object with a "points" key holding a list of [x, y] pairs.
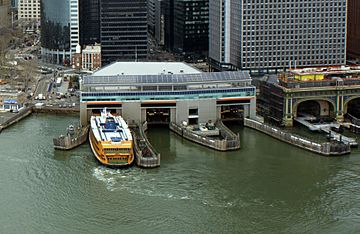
{"points": [[229, 141], [145, 154], [327, 129], [332, 148]]}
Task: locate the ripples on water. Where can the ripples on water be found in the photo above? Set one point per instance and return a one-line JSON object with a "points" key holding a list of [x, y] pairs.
{"points": [[266, 187]]}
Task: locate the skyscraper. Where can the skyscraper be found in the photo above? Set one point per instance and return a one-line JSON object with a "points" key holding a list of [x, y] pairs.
{"points": [[29, 13], [29, 10], [123, 30], [353, 36], [89, 16], [59, 30], [276, 34], [191, 25]]}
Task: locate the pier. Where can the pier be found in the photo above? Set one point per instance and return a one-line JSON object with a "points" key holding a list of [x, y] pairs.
{"points": [[354, 124], [16, 118], [332, 148], [145, 154], [228, 141], [326, 127]]}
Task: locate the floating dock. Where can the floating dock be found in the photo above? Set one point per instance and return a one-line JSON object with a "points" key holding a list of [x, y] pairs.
{"points": [[74, 137], [145, 154], [229, 141], [332, 148]]}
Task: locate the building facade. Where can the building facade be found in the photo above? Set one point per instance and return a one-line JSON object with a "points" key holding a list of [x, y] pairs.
{"points": [[166, 92], [29, 14], [89, 17], [319, 93], [59, 30], [276, 34], [191, 25], [164, 23], [91, 57], [123, 30], [353, 36]]}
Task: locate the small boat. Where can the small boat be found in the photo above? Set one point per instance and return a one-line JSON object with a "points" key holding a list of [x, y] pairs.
{"points": [[73, 138], [111, 140]]}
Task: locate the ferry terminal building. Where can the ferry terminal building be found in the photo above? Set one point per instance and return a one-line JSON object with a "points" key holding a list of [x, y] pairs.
{"points": [[163, 92]]}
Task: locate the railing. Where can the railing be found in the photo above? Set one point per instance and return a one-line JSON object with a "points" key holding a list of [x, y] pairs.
{"points": [[326, 148], [231, 141], [355, 126], [353, 119], [146, 155]]}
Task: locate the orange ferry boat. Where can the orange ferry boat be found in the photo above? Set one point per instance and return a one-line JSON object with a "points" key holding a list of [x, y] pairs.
{"points": [[111, 140]]}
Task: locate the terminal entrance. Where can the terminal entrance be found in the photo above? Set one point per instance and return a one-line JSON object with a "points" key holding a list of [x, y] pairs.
{"points": [[318, 109], [353, 108], [98, 111], [158, 116], [232, 112]]}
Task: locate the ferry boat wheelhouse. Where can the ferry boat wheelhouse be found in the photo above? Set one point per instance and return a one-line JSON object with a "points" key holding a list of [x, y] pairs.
{"points": [[111, 140]]}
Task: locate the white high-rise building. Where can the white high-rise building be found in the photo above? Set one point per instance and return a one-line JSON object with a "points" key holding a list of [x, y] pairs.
{"points": [[74, 25], [29, 13], [276, 34]]}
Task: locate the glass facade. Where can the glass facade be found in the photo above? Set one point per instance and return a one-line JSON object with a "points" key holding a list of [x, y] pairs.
{"points": [[191, 25], [168, 95], [55, 30], [123, 30], [89, 22]]}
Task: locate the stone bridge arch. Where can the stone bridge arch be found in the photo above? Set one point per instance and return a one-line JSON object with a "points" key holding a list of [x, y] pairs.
{"points": [[348, 101], [326, 106]]}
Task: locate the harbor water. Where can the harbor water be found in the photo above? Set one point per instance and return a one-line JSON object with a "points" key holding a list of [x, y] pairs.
{"points": [[266, 187]]}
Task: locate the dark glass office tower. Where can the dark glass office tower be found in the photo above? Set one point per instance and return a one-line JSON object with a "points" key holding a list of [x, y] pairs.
{"points": [[123, 30], [89, 22], [55, 31], [191, 25]]}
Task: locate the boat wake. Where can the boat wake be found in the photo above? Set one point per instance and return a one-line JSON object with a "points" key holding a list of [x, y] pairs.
{"points": [[137, 181]]}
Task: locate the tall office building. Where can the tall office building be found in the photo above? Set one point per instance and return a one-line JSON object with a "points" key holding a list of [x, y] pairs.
{"points": [[29, 10], [123, 30], [353, 36], [191, 25], [89, 17], [59, 30], [29, 14], [277, 34], [151, 15]]}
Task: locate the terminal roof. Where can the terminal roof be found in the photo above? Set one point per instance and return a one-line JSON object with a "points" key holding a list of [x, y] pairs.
{"points": [[204, 77], [146, 68]]}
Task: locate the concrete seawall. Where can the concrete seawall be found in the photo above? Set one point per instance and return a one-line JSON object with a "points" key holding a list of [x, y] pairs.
{"points": [[31, 109], [16, 118], [326, 148]]}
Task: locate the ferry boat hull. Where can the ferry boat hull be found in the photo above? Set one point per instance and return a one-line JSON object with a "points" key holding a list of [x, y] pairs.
{"points": [[112, 143]]}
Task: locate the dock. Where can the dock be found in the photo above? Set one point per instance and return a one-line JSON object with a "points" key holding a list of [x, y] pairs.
{"points": [[145, 154], [327, 129], [331, 148], [74, 138], [229, 141], [16, 118]]}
